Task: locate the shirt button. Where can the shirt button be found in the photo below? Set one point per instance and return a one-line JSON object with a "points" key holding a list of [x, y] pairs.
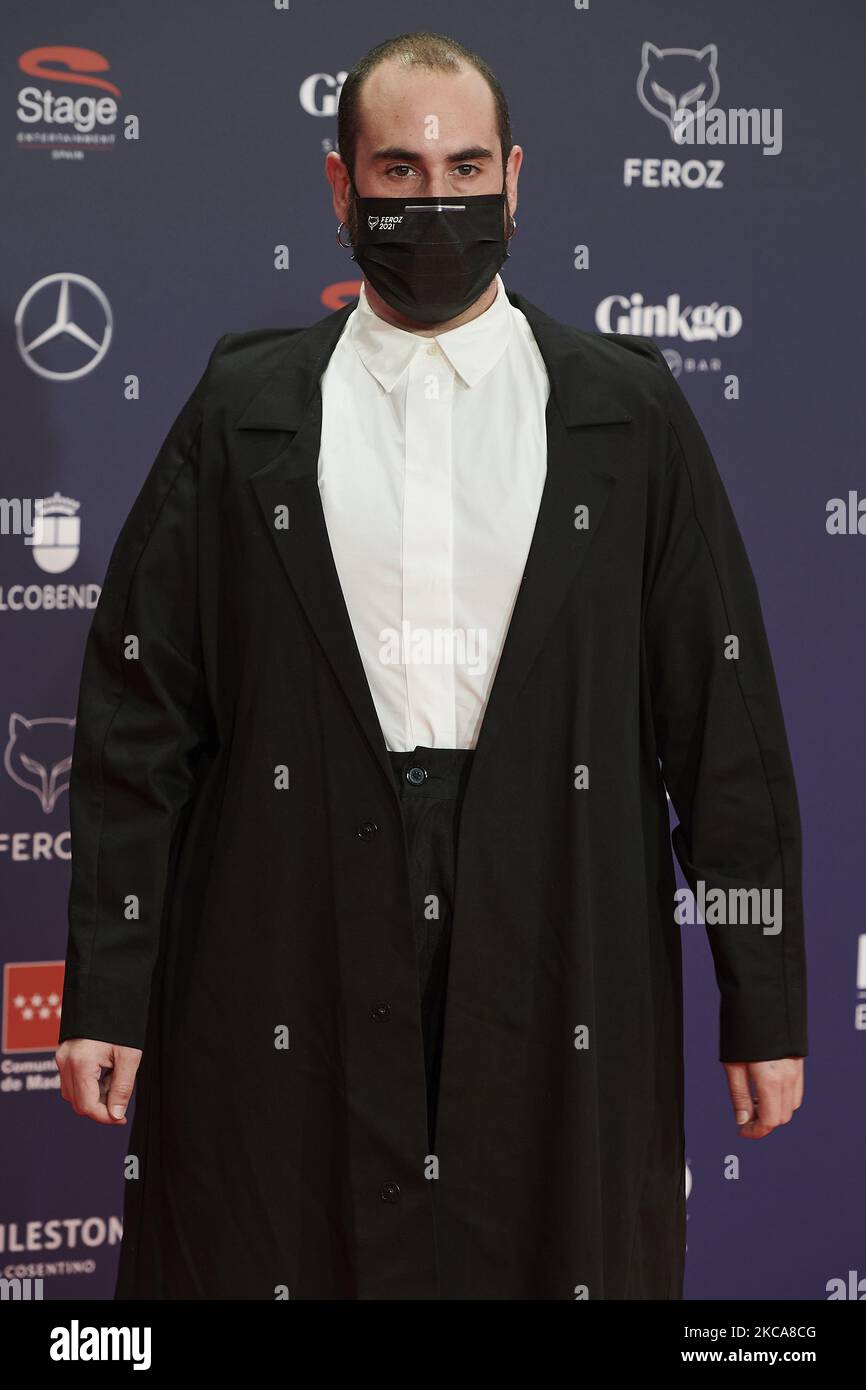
{"points": [[432, 350], [416, 775], [389, 1191], [381, 1012], [367, 829]]}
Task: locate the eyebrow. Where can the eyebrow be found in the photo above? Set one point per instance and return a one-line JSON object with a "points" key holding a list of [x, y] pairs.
{"points": [[417, 156]]}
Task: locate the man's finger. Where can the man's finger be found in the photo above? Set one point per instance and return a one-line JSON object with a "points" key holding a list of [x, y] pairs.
{"points": [[121, 1080], [799, 1083], [65, 1090], [86, 1091], [741, 1095], [770, 1085]]}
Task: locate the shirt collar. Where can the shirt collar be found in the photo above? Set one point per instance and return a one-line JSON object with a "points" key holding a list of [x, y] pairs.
{"points": [[472, 349]]}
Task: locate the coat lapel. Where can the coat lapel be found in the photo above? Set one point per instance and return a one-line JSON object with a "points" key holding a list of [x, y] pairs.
{"points": [[581, 449]]}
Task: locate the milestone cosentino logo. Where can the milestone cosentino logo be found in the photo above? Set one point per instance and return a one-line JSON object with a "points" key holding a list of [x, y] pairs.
{"points": [[56, 1245], [69, 107]]}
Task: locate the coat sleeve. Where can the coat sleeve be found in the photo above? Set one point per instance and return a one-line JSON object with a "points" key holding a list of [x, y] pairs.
{"points": [[722, 743], [142, 719]]}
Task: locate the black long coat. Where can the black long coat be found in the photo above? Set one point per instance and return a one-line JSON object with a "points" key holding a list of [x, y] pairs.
{"points": [[217, 913]]}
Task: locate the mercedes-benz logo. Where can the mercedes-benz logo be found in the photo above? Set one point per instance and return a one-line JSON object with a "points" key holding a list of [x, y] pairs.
{"points": [[64, 322]]}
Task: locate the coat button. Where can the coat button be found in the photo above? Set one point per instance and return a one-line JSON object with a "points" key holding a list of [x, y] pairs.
{"points": [[389, 1191], [416, 775], [367, 829], [381, 1012]]}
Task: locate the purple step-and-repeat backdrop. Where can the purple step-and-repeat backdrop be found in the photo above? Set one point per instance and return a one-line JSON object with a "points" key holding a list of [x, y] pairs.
{"points": [[164, 176]]}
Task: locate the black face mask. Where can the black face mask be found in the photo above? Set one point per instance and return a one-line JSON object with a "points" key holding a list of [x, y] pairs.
{"points": [[430, 258]]}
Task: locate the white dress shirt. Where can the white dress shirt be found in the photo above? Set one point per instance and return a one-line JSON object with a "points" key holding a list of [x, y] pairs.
{"points": [[432, 463]]}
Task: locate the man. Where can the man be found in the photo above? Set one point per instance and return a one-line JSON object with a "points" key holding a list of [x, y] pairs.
{"points": [[417, 615]]}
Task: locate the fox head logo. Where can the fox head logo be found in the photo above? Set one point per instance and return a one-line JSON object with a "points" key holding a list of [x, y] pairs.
{"points": [[38, 756], [372, 222], [673, 80]]}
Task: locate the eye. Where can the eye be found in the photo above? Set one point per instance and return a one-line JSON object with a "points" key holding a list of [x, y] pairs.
{"points": [[465, 170]]}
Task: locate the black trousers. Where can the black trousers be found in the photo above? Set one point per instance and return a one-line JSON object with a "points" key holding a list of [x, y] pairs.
{"points": [[432, 783]]}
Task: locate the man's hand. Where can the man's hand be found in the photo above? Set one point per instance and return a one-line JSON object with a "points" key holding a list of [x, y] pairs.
{"points": [[778, 1093], [104, 1099]]}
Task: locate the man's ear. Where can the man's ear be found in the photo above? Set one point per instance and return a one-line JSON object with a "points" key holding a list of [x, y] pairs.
{"points": [[512, 173], [338, 177]]}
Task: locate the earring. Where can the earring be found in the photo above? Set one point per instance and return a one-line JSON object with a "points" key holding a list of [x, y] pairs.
{"points": [[345, 245], [513, 226]]}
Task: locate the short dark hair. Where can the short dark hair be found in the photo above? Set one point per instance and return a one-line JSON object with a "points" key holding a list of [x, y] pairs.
{"points": [[433, 52]]}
